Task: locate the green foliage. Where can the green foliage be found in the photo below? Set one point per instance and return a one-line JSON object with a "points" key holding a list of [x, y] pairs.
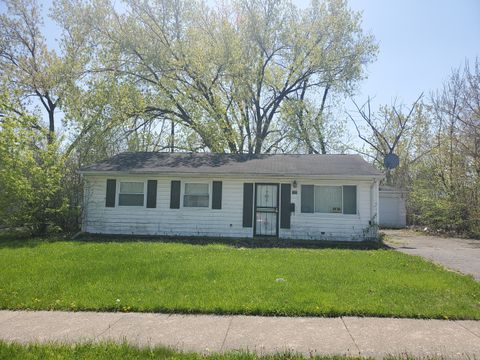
{"points": [[445, 186], [30, 172], [439, 151], [441, 205], [175, 277]]}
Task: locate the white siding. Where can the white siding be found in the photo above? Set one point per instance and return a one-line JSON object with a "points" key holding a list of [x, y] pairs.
{"points": [[331, 226], [226, 222]]}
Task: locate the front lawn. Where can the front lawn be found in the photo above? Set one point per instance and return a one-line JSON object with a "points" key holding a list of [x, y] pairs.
{"points": [[175, 277]]}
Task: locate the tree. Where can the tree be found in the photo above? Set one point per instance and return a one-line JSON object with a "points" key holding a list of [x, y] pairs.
{"points": [[446, 188], [30, 172], [392, 129], [313, 129], [28, 68], [222, 75], [438, 142]]}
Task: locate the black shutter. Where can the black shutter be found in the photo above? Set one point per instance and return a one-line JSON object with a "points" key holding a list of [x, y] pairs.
{"points": [[285, 213], [247, 205], [111, 193], [151, 193], [175, 194], [217, 195], [308, 199], [349, 199]]}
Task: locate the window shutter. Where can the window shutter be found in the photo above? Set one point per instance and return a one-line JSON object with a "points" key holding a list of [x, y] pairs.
{"points": [[175, 194], [308, 199], [151, 193], [217, 195], [247, 205], [111, 193], [285, 212], [349, 199]]}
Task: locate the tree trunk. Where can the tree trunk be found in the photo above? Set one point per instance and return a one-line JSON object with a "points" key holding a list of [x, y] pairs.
{"points": [[51, 125], [50, 107], [172, 137], [258, 144]]}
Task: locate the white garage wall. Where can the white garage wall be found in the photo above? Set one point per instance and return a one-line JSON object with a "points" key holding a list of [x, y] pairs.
{"points": [[393, 213]]}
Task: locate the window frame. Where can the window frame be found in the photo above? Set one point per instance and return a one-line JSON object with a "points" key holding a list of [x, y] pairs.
{"points": [[132, 181], [315, 198], [182, 194], [315, 185]]}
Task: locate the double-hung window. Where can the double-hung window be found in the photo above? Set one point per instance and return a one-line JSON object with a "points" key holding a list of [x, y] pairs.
{"points": [[196, 195], [131, 193], [329, 199]]}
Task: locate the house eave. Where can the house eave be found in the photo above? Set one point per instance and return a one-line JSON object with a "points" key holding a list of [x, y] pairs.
{"points": [[231, 175]]}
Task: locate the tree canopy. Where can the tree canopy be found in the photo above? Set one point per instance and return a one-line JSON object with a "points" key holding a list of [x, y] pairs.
{"points": [[226, 77]]}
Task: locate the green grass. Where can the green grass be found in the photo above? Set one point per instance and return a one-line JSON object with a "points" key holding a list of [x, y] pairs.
{"points": [[124, 351], [108, 350], [176, 277]]}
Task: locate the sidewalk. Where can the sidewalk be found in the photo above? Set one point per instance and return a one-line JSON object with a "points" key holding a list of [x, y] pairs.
{"points": [[376, 337]]}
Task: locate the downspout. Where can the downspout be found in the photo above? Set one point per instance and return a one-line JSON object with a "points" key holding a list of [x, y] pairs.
{"points": [[371, 201], [84, 204], [374, 216]]}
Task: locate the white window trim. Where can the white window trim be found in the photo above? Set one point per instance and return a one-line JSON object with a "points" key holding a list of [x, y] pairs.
{"points": [[144, 193], [196, 208]]}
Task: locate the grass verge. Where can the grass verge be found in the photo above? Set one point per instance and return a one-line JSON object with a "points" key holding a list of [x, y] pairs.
{"points": [[101, 351], [184, 278]]}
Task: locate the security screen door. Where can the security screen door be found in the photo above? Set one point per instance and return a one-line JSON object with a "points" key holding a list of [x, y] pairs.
{"points": [[266, 209]]}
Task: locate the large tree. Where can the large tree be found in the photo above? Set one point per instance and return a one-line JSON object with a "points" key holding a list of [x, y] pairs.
{"points": [[225, 76], [37, 74]]}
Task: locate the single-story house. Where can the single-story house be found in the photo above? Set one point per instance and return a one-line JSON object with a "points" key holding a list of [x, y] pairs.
{"points": [[321, 197]]}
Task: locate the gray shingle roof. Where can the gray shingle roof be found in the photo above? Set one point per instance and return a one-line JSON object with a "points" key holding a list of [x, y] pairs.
{"points": [[233, 164]]}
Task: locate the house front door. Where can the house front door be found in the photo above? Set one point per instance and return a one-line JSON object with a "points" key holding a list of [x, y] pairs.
{"points": [[266, 210]]}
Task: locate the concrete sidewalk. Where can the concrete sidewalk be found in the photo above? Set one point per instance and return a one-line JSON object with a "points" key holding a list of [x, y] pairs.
{"points": [[376, 337]]}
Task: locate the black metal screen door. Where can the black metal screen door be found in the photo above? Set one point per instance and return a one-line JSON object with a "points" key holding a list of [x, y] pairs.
{"points": [[266, 209]]}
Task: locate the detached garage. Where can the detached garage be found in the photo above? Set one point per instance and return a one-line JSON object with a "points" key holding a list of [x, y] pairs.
{"points": [[392, 209]]}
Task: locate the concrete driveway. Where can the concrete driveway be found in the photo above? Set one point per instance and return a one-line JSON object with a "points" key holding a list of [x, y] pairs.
{"points": [[462, 255]]}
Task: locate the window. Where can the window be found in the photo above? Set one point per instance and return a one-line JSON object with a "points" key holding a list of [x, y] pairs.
{"points": [[329, 199], [196, 195], [131, 194]]}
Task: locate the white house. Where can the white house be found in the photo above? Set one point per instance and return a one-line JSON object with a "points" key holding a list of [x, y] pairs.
{"points": [[322, 197]]}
